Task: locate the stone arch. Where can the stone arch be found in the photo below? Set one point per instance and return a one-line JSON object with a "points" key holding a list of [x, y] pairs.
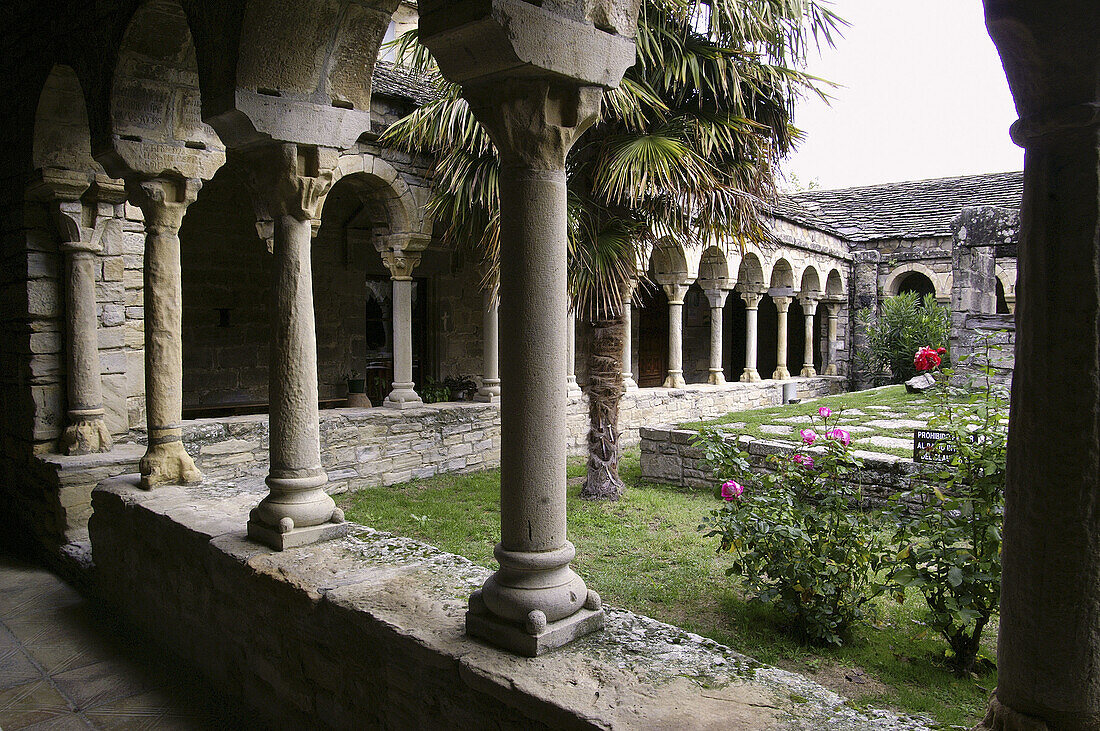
{"points": [[811, 282], [154, 122], [714, 270], [300, 69], [750, 273], [376, 179], [61, 136], [896, 280], [782, 274], [668, 263], [834, 284]]}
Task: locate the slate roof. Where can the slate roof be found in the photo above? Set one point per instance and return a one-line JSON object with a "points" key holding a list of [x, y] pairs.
{"points": [[390, 79], [909, 210]]}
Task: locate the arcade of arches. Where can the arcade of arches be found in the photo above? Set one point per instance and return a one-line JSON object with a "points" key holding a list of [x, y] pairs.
{"points": [[150, 166]]}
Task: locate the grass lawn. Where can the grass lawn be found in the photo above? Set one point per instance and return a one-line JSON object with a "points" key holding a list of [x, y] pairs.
{"points": [[864, 413], [644, 553]]}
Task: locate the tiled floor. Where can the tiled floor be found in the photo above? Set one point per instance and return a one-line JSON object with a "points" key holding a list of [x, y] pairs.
{"points": [[65, 665]]}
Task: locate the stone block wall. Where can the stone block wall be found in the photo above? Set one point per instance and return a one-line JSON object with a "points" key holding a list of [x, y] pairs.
{"points": [[668, 456], [368, 632]]}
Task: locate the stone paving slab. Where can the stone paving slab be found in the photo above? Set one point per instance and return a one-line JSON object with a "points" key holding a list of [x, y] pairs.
{"points": [[887, 442], [63, 665], [897, 423]]}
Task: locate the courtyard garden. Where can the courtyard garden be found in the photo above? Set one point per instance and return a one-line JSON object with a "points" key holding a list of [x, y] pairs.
{"points": [[654, 552]]}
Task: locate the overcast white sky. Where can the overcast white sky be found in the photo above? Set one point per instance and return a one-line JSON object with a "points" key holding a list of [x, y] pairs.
{"points": [[923, 95]]}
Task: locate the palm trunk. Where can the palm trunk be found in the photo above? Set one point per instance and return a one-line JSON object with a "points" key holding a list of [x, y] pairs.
{"points": [[604, 389]]}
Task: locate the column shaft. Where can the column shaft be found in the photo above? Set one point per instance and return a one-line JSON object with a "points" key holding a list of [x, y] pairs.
{"points": [[831, 368], [629, 384], [86, 431], [782, 304], [401, 263], [571, 386], [675, 378], [717, 377], [490, 378], [752, 302], [808, 309], [163, 203]]}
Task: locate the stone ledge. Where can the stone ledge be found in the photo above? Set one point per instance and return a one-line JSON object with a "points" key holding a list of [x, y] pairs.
{"points": [[367, 631]]}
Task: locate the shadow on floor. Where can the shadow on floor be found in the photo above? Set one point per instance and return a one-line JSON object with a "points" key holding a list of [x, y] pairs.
{"points": [[65, 663]]}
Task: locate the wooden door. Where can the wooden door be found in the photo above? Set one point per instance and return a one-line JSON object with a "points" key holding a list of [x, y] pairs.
{"points": [[652, 338]]}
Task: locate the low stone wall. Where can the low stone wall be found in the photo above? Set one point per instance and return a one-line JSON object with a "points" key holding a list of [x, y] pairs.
{"points": [[367, 632], [668, 456], [968, 350], [374, 446]]}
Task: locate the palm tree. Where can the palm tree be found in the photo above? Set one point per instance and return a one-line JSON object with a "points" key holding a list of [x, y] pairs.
{"points": [[686, 147]]}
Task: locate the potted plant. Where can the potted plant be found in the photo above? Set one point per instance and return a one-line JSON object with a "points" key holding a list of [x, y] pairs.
{"points": [[357, 389]]}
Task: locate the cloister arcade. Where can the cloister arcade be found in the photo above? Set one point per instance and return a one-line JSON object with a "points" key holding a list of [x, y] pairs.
{"points": [[222, 155]]}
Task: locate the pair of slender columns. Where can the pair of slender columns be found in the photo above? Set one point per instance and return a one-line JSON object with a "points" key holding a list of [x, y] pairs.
{"points": [[490, 343], [782, 304], [752, 299], [400, 259], [675, 293]]}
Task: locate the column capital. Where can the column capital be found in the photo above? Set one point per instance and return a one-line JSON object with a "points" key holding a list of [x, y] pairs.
{"points": [[675, 292], [289, 179], [751, 296], [834, 309], [400, 263], [1052, 126], [163, 200], [533, 121], [782, 303], [717, 297], [809, 304]]}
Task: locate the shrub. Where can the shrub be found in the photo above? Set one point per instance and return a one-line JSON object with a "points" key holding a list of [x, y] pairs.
{"points": [[949, 548], [798, 537], [904, 325]]}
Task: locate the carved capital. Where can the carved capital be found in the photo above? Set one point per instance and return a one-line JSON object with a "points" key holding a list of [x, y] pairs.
{"points": [[401, 263], [782, 303], [1054, 125], [534, 121], [288, 179], [809, 305], [675, 293], [834, 309], [717, 297], [163, 201], [751, 295]]}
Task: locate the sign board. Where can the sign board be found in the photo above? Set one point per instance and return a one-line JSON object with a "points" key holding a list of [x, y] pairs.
{"points": [[932, 445]]}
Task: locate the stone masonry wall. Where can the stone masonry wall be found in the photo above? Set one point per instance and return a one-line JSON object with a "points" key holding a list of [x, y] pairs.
{"points": [[367, 631], [668, 456]]}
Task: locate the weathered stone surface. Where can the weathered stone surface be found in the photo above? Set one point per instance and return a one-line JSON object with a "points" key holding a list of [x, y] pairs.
{"points": [[367, 630]]}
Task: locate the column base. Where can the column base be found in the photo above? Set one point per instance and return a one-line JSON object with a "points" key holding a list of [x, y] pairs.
{"points": [[281, 540], [830, 370], [536, 636], [489, 393], [85, 436], [1002, 718], [629, 384], [751, 375], [167, 463], [403, 397], [571, 387], [717, 378], [675, 379], [808, 372], [782, 374]]}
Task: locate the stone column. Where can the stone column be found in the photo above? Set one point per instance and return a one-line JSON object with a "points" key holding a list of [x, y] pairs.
{"points": [[289, 184], [571, 387], [1049, 644], [717, 299], [834, 314], [86, 431], [163, 202], [752, 302], [809, 307], [629, 384], [490, 377], [401, 263], [781, 306], [534, 601], [862, 308], [676, 293]]}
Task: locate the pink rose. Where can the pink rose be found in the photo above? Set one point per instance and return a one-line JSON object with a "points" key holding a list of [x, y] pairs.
{"points": [[840, 435], [731, 490], [825, 412], [804, 460], [809, 436]]}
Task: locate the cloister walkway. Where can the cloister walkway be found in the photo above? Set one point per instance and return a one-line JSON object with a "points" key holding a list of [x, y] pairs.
{"points": [[65, 665]]}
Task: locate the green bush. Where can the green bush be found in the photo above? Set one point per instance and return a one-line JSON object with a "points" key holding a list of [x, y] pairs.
{"points": [[903, 326], [949, 549], [799, 540]]}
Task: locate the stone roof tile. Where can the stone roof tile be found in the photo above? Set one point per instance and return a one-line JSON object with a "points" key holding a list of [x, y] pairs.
{"points": [[908, 210]]}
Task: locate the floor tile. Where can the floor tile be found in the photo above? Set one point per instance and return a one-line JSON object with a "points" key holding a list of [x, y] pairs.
{"points": [[99, 683], [67, 722], [16, 668], [31, 703], [151, 710]]}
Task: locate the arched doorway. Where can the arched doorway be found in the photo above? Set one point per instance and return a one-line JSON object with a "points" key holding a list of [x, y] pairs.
{"points": [[918, 283], [652, 336]]}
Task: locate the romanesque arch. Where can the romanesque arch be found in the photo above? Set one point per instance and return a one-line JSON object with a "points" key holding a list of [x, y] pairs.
{"points": [[918, 278]]}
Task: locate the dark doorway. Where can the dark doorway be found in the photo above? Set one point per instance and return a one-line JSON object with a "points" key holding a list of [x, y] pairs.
{"points": [[652, 337], [916, 282], [733, 336], [1002, 302], [767, 325], [796, 337]]}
